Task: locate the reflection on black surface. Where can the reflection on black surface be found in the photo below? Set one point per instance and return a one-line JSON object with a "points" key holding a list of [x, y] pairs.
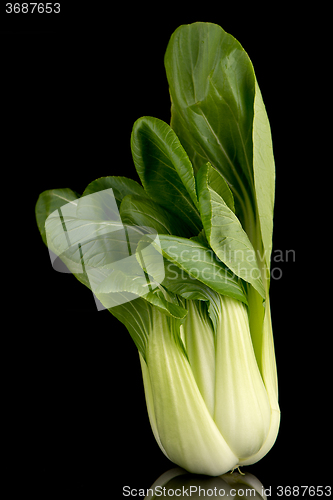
{"points": [[178, 483]]}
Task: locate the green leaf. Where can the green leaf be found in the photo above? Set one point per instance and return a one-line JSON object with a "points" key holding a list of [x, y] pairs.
{"points": [[211, 82], [90, 226], [49, 201], [167, 307], [200, 263], [165, 170], [145, 212], [225, 233], [92, 241], [121, 186], [219, 185], [181, 283], [137, 318], [264, 173], [218, 115], [99, 206], [132, 285], [137, 315], [89, 237]]}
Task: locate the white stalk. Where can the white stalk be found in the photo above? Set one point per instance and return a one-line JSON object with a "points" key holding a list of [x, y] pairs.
{"points": [[186, 429], [242, 407]]}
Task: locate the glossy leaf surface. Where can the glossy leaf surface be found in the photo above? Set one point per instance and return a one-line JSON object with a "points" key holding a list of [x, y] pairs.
{"points": [[225, 233], [165, 170], [219, 116]]}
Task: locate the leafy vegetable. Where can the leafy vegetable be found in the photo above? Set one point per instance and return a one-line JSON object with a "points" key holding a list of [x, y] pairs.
{"points": [[183, 260]]}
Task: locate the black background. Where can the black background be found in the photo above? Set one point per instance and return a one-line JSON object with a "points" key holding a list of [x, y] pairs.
{"points": [[72, 86]]}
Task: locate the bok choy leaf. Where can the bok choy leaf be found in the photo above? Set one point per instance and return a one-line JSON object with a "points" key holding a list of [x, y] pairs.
{"points": [[183, 260]]}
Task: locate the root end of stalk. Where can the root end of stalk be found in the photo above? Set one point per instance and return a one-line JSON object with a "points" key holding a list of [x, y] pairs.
{"points": [[240, 472]]}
